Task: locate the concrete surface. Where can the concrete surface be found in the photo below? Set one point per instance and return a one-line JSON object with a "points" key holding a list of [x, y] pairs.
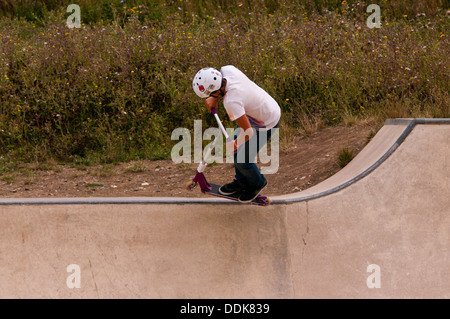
{"points": [[388, 209]]}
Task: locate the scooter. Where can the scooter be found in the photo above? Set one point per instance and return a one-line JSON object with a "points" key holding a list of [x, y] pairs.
{"points": [[213, 189]]}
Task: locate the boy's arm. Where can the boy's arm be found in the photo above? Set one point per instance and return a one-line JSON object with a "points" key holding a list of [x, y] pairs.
{"points": [[243, 122], [211, 102], [246, 131]]}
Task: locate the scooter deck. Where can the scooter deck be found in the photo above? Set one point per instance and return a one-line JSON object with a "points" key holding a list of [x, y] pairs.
{"points": [[260, 200]]}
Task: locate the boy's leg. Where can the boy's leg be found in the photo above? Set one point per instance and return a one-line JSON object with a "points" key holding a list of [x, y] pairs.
{"points": [[239, 184], [247, 175], [247, 172]]}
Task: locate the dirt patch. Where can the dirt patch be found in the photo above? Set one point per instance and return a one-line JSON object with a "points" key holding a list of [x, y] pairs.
{"points": [[304, 162]]}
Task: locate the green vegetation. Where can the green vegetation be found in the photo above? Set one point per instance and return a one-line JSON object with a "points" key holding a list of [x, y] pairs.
{"points": [[115, 89], [137, 167], [370, 136], [94, 185], [344, 157]]}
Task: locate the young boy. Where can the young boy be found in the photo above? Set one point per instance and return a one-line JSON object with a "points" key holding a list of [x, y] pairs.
{"points": [[256, 113]]}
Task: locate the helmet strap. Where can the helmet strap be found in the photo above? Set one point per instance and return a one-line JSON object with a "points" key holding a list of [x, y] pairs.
{"points": [[220, 92]]}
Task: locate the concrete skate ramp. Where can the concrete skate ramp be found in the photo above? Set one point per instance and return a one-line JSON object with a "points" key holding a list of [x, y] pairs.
{"points": [[383, 221]]}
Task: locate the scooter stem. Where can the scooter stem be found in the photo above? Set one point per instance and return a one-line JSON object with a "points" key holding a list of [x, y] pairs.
{"points": [[214, 112]]}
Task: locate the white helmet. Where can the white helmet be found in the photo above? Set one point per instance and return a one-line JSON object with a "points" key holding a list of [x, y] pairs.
{"points": [[206, 81]]}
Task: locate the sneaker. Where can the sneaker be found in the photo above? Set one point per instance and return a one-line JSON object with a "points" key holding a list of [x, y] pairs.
{"points": [[230, 188], [249, 195]]}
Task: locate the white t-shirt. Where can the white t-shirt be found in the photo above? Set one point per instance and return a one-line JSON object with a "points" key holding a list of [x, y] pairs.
{"points": [[243, 96]]}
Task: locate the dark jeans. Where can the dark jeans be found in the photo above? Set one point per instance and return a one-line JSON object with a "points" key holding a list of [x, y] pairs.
{"points": [[247, 172]]}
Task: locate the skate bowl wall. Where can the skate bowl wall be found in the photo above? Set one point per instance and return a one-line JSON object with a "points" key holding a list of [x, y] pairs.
{"points": [[377, 229]]}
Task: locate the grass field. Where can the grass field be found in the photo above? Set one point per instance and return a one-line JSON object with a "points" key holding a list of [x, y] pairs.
{"points": [[115, 89]]}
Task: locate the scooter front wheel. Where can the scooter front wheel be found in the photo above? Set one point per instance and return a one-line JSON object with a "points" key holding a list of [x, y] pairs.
{"points": [[191, 185]]}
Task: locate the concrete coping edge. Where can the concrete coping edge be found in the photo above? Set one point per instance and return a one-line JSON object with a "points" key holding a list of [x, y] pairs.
{"points": [[410, 124]]}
